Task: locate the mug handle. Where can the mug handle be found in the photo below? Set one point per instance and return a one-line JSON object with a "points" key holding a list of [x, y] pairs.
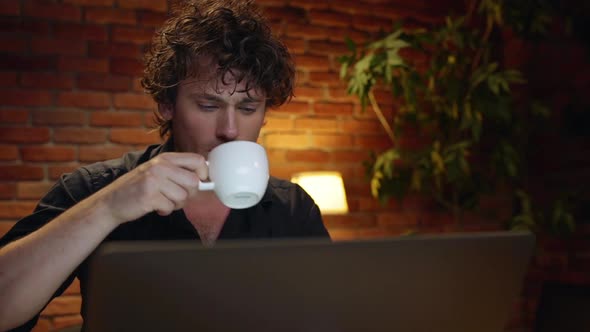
{"points": [[206, 186]]}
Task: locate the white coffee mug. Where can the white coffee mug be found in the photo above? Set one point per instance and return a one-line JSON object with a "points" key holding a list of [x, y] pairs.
{"points": [[238, 171]]}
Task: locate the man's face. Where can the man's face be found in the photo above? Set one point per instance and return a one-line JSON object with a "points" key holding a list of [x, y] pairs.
{"points": [[208, 113]]}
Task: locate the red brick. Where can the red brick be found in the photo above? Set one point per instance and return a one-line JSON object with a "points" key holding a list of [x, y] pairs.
{"points": [[286, 171], [7, 191], [276, 123], [84, 99], [331, 141], [383, 97], [312, 62], [108, 50], [77, 31], [333, 108], [43, 325], [295, 45], [317, 124], [329, 18], [405, 218], [276, 155], [79, 135], [26, 26], [371, 23], [52, 117], [287, 141], [74, 288], [308, 93], [327, 47], [24, 135], [350, 220], [272, 2], [10, 8], [58, 46], [154, 5], [83, 65], [352, 6], [286, 14], [52, 11], [48, 153], [108, 3], [134, 35], [16, 210], [339, 34], [100, 153], [8, 79], [47, 80], [362, 126], [149, 121], [134, 101], [104, 82], [295, 107], [63, 305], [134, 136], [32, 190], [63, 322], [25, 97], [343, 233], [8, 152], [124, 66], [350, 156], [309, 156], [56, 171], [14, 116], [27, 62], [338, 94], [383, 232], [151, 19], [116, 119], [13, 44], [136, 82], [20, 172], [307, 31], [325, 77], [110, 16], [373, 141]]}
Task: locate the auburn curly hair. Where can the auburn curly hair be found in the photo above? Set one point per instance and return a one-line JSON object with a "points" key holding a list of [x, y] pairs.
{"points": [[234, 34]]}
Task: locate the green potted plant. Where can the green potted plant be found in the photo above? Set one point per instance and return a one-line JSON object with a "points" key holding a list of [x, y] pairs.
{"points": [[456, 98]]}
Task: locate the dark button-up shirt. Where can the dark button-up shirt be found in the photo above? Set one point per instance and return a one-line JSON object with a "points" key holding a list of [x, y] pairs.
{"points": [[285, 210]]}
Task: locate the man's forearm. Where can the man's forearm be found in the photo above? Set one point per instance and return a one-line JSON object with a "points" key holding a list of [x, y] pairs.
{"points": [[33, 267]]}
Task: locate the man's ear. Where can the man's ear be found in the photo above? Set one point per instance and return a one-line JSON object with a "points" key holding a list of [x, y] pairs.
{"points": [[166, 111]]}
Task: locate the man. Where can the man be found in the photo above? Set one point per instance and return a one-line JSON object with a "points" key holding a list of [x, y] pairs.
{"points": [[213, 70]]}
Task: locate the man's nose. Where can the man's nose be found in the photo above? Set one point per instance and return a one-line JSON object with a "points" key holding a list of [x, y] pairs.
{"points": [[227, 126]]}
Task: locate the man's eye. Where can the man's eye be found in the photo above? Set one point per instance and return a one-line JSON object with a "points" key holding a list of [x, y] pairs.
{"points": [[248, 109], [208, 107]]}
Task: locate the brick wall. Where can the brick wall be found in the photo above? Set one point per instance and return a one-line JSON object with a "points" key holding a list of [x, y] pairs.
{"points": [[70, 95]]}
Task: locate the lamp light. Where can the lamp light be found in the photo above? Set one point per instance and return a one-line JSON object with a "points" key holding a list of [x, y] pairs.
{"points": [[326, 188]]}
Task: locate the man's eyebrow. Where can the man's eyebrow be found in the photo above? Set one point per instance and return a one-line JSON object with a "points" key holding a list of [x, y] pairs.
{"points": [[213, 97], [206, 96]]}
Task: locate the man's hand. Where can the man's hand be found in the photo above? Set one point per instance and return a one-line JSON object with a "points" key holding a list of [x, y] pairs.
{"points": [[162, 184]]}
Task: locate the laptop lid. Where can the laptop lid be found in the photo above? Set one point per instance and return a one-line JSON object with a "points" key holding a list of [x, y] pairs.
{"points": [[445, 283]]}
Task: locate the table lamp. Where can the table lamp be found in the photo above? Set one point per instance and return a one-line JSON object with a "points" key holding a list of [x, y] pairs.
{"points": [[326, 188]]}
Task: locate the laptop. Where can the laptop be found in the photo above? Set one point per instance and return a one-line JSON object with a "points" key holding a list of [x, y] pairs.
{"points": [[446, 283]]}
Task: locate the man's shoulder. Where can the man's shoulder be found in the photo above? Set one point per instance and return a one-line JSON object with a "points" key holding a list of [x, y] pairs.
{"points": [[100, 174]]}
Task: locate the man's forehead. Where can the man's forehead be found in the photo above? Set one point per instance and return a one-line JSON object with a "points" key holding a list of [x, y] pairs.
{"points": [[214, 85]]}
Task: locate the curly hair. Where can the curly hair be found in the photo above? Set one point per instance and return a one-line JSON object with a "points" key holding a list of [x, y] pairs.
{"points": [[235, 35]]}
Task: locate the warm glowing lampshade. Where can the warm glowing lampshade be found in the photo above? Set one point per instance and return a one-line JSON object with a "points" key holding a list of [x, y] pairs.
{"points": [[326, 188]]}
